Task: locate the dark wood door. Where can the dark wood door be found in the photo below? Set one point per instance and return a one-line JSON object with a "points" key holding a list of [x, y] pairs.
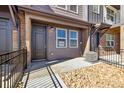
{"points": [[38, 42], [94, 43]]}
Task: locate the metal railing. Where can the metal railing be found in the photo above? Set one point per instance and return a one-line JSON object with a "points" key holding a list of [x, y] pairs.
{"points": [[12, 67], [111, 56]]}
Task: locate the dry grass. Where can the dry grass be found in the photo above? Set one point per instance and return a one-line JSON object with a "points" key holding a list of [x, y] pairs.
{"points": [[97, 76]]}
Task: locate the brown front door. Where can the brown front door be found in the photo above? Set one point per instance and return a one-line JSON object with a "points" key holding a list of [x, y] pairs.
{"points": [[38, 42]]}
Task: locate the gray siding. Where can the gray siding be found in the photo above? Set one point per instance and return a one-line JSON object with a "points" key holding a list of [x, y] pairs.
{"points": [[78, 15], [122, 14], [94, 17], [58, 53], [5, 31]]}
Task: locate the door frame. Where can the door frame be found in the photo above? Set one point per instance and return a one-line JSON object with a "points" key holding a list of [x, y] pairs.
{"points": [[38, 24]]}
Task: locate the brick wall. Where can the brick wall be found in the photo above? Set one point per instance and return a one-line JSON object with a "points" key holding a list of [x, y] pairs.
{"points": [[117, 40]]}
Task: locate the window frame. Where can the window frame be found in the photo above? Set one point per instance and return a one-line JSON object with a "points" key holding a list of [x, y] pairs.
{"points": [[61, 37], [74, 11], [61, 7], [98, 9], [110, 15], [73, 38], [110, 40]]}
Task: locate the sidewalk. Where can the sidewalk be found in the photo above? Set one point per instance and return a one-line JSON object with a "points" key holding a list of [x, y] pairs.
{"points": [[44, 74]]}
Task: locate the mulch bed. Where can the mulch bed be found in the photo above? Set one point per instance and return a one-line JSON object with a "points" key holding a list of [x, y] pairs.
{"points": [[97, 76]]}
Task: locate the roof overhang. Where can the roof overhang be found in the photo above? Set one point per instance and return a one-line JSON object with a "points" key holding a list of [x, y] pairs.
{"points": [[104, 26], [54, 15], [101, 28]]}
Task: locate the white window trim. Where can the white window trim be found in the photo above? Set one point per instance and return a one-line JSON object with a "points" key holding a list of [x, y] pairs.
{"points": [[98, 12], [109, 41], [74, 11], [113, 9], [62, 8], [110, 14], [60, 37], [73, 38]]}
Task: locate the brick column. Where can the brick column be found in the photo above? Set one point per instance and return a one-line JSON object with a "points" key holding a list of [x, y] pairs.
{"points": [[28, 37], [15, 40], [122, 37], [122, 41], [22, 29], [86, 42]]}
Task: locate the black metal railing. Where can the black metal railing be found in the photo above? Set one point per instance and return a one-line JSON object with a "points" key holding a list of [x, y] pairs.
{"points": [[12, 67], [111, 56]]}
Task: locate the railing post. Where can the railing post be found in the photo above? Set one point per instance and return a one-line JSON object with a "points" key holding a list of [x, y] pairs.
{"points": [[25, 58], [98, 52]]}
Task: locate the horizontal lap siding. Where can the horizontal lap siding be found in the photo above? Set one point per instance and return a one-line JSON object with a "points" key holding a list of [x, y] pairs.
{"points": [[68, 13]]}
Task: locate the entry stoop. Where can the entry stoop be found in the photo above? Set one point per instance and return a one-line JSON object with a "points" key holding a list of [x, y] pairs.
{"points": [[91, 56]]}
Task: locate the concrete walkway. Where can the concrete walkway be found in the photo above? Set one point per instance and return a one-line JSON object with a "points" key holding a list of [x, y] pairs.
{"points": [[45, 74]]}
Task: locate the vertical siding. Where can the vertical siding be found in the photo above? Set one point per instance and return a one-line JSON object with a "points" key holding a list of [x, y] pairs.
{"points": [[94, 17]]}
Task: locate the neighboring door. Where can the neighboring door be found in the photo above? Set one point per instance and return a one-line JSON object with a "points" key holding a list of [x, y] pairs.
{"points": [[5, 36], [94, 42], [38, 42]]}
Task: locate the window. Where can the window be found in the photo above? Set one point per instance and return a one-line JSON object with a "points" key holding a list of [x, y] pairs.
{"points": [[73, 39], [73, 8], [110, 14], [62, 6], [61, 38], [96, 9], [110, 41]]}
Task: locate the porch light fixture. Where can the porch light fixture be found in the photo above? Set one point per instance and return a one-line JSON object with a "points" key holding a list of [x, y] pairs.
{"points": [[51, 29]]}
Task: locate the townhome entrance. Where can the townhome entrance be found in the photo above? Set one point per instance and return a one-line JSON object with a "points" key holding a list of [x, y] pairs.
{"points": [[38, 42]]}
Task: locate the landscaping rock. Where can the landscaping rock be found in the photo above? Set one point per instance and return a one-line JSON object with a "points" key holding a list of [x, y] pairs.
{"points": [[97, 76]]}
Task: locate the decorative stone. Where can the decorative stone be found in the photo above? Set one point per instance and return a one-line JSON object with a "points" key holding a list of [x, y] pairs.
{"points": [[97, 76]]}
